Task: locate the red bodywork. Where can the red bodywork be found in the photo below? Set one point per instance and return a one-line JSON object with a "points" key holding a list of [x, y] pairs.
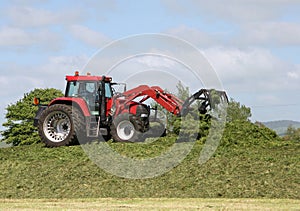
{"points": [[125, 102], [170, 102], [86, 78], [78, 102]]}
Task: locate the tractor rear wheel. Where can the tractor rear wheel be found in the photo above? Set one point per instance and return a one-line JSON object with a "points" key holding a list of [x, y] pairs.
{"points": [[123, 129], [59, 124]]}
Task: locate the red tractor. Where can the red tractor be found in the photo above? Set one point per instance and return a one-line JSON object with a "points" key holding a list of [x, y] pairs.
{"points": [[91, 108]]}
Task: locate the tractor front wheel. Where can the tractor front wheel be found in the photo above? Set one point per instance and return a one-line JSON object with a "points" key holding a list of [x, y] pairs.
{"points": [[123, 129]]}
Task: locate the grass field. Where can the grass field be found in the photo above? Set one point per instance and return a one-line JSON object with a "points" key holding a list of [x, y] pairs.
{"points": [[149, 204], [249, 163], [66, 172]]}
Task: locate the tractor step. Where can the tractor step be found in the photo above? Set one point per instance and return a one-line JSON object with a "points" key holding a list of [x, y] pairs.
{"points": [[92, 129]]}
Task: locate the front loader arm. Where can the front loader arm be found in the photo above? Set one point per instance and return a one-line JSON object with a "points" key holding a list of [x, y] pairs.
{"points": [[207, 97], [170, 102]]}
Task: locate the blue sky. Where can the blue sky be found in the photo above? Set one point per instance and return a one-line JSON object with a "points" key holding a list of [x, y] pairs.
{"points": [[253, 45]]}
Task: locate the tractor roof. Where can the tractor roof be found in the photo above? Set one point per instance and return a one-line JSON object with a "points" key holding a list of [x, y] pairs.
{"points": [[87, 77]]}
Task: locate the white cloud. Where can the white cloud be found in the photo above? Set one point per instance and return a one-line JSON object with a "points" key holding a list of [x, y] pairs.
{"points": [[251, 69], [194, 36], [65, 64], [232, 10], [257, 78], [88, 36], [293, 75], [51, 73], [154, 62], [25, 16], [19, 38], [15, 36], [268, 23], [269, 33], [36, 13], [99, 5]]}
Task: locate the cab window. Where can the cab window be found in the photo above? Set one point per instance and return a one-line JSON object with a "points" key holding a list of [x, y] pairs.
{"points": [[76, 88], [108, 92]]}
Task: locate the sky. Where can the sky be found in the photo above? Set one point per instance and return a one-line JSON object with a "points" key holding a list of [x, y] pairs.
{"points": [[253, 45]]}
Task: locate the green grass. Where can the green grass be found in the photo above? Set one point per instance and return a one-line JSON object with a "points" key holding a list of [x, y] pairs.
{"points": [[250, 163], [66, 172]]}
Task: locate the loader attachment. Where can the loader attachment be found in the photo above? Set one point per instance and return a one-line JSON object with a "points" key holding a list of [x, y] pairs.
{"points": [[208, 100]]}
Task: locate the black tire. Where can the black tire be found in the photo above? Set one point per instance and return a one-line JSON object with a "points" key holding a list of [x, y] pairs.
{"points": [[123, 129], [59, 125], [105, 138], [157, 129]]}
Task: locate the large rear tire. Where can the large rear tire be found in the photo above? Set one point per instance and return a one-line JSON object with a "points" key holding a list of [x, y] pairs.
{"points": [[123, 129], [59, 124]]}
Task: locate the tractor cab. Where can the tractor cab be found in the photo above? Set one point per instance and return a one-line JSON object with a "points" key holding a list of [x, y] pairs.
{"points": [[94, 90]]}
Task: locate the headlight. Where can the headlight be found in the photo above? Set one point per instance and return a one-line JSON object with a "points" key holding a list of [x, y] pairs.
{"points": [[112, 110]]}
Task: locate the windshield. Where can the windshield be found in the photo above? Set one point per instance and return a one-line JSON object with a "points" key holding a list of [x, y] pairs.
{"points": [[77, 88], [72, 90]]}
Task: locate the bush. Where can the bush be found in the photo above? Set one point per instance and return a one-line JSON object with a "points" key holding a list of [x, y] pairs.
{"points": [[292, 134], [20, 129]]}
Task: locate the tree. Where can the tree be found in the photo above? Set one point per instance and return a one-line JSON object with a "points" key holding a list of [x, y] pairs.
{"points": [[236, 111], [182, 92], [292, 134], [172, 121], [20, 129]]}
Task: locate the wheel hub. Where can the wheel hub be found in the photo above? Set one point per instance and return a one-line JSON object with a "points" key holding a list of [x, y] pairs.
{"points": [[57, 126], [125, 130]]}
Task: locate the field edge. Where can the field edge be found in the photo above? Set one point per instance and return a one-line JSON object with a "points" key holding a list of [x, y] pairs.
{"points": [[151, 203]]}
